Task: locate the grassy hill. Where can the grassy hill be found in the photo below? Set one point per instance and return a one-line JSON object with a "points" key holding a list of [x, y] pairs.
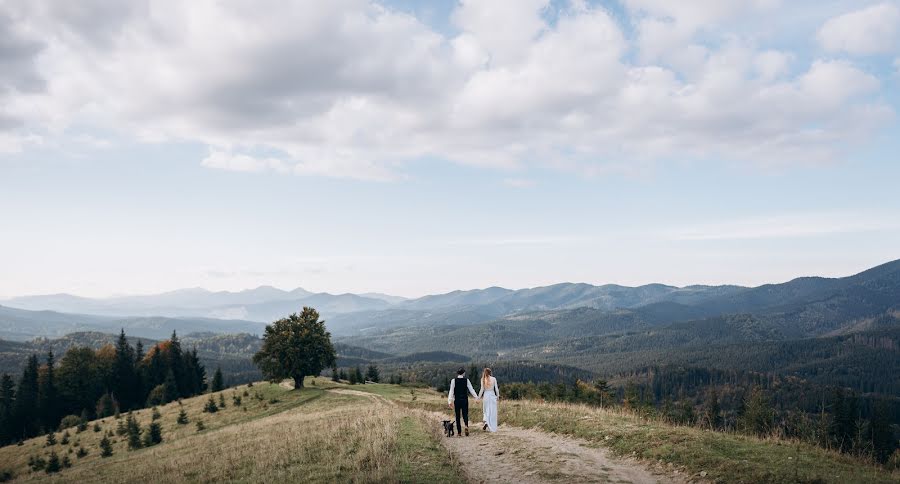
{"points": [[387, 433]]}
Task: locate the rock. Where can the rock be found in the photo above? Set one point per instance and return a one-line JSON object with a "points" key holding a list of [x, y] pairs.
{"points": [[530, 473], [500, 452], [702, 473]]}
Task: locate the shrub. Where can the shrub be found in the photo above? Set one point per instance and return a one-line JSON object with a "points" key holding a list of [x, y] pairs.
{"points": [[6, 475], [200, 426], [51, 439], [154, 414], [236, 399], [69, 421], [37, 463], [221, 401], [65, 438], [66, 463], [96, 427], [82, 452], [182, 417]]}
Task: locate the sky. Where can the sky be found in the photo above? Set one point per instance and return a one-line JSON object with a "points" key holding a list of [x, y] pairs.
{"points": [[412, 147]]}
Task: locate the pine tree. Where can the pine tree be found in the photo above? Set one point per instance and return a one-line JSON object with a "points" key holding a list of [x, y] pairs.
{"points": [[334, 373], [107, 406], [758, 417], [105, 447], [342, 375], [51, 440], [27, 400], [65, 438], [66, 462], [153, 435], [47, 395], [210, 406], [358, 375], [83, 424], [880, 433], [170, 385], [182, 417], [218, 383], [124, 377], [53, 464], [7, 409], [602, 388], [221, 401], [200, 426], [81, 452], [372, 374], [134, 432], [154, 414], [121, 429]]}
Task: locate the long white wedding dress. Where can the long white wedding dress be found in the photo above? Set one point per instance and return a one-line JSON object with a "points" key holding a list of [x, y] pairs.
{"points": [[489, 403]]}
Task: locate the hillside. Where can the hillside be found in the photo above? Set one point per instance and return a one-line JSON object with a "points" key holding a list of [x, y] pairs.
{"points": [[332, 432]]}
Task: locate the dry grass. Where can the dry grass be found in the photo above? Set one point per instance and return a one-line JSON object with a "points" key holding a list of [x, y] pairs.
{"points": [[308, 436]]}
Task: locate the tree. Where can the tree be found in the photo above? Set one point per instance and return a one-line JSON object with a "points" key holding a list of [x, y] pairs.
{"points": [[334, 373], [372, 374], [217, 382], [153, 435], [602, 388], [123, 373], [107, 405], [358, 375], [105, 447], [880, 434], [758, 417], [7, 409], [182, 417], [295, 347], [210, 406], [711, 410], [27, 400], [53, 464], [79, 380], [133, 429], [47, 394]]}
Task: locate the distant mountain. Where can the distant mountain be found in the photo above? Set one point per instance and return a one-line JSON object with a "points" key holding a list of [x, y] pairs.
{"points": [[264, 303], [23, 325]]}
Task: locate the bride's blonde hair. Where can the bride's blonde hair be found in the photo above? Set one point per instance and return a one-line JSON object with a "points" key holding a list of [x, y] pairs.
{"points": [[486, 378]]}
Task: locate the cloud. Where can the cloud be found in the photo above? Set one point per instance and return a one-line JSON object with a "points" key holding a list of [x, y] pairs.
{"points": [[871, 30], [351, 88]]}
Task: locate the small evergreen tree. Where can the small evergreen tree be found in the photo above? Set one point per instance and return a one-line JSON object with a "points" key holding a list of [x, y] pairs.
{"points": [[96, 427], [82, 425], [210, 406], [53, 464], [342, 375], [334, 373], [236, 399], [82, 452], [134, 432], [121, 429], [218, 383], [51, 439], [221, 401], [154, 414], [105, 447], [153, 435], [182, 417], [372, 374], [358, 375], [200, 426], [66, 462], [65, 438]]}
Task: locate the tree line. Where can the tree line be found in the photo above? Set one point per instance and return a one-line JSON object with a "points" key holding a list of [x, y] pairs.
{"points": [[87, 384]]}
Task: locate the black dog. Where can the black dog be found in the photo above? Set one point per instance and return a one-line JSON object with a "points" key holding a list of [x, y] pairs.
{"points": [[448, 428]]}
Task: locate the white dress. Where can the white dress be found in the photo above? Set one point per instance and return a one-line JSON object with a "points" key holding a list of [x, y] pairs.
{"points": [[489, 403]]}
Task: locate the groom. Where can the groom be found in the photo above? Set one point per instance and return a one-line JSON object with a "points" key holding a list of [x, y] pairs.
{"points": [[458, 398]]}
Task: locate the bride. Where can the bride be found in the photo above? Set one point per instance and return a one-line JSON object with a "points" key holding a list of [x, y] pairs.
{"points": [[490, 393]]}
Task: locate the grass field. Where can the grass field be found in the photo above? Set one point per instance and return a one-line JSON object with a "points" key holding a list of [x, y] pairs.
{"points": [[275, 435], [720, 456], [388, 433]]}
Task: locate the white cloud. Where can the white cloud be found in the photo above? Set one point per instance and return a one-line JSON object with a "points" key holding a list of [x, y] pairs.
{"points": [[350, 88], [871, 30]]}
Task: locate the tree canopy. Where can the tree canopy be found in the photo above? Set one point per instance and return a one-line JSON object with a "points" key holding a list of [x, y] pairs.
{"points": [[295, 347]]}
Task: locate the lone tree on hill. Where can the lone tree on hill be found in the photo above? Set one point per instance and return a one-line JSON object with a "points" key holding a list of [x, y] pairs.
{"points": [[295, 347]]}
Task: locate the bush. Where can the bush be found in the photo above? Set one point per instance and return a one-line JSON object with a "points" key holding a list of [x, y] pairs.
{"points": [[221, 401], [96, 427], [37, 463], [66, 463], [82, 452], [200, 426], [157, 395], [6, 475], [65, 438], [154, 414], [69, 421], [236, 399], [51, 439]]}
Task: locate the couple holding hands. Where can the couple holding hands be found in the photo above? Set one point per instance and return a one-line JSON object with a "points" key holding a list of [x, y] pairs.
{"points": [[458, 399]]}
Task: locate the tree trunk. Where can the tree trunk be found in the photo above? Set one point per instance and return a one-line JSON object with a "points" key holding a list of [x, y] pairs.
{"points": [[298, 382]]}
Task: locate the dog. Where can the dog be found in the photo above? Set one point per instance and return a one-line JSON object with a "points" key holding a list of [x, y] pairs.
{"points": [[448, 428]]}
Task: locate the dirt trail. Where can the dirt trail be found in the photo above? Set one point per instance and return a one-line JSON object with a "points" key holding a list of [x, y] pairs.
{"points": [[520, 456]]}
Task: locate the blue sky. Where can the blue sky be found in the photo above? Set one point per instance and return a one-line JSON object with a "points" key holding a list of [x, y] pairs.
{"points": [[413, 147]]}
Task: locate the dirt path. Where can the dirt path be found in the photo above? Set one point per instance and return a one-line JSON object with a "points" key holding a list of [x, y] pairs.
{"points": [[522, 456]]}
